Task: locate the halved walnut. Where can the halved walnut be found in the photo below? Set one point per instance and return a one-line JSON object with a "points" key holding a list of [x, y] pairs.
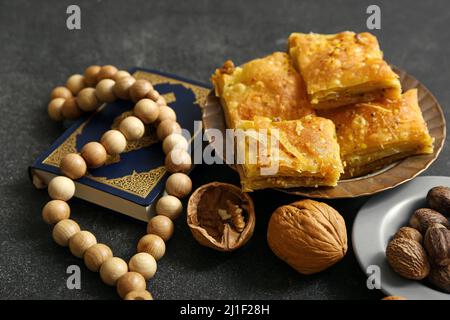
{"points": [[221, 216]]}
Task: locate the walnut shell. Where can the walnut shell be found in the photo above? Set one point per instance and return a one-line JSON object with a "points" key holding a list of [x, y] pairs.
{"points": [[308, 235], [409, 233], [211, 229], [423, 218], [408, 258], [440, 278], [438, 198], [437, 244]]}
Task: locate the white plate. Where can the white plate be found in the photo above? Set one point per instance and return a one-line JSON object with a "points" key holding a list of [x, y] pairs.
{"points": [[378, 220]]}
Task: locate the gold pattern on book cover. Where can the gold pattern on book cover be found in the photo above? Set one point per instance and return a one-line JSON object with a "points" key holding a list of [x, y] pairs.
{"points": [[200, 92], [136, 183], [142, 183]]}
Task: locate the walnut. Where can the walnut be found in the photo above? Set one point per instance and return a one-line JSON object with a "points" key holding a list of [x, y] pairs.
{"points": [[228, 67], [221, 216], [408, 258], [308, 235]]}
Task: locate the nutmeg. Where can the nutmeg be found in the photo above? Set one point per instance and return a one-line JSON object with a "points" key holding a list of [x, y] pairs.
{"points": [[423, 218], [409, 233], [408, 258], [438, 198], [437, 244], [308, 235], [210, 216], [440, 278]]}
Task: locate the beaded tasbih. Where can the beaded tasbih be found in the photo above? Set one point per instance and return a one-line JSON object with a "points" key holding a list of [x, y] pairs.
{"points": [[85, 93]]}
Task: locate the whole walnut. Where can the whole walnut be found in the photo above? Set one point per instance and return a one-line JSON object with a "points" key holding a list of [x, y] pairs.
{"points": [[308, 235]]}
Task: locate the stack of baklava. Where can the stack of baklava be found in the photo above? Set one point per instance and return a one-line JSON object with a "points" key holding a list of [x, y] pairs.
{"points": [[331, 108]]}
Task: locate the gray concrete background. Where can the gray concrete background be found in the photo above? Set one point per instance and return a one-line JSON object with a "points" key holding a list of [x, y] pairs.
{"points": [[189, 38]]}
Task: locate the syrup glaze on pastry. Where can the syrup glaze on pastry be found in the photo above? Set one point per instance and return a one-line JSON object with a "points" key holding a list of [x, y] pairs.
{"points": [[376, 134], [305, 153], [268, 87], [341, 69]]}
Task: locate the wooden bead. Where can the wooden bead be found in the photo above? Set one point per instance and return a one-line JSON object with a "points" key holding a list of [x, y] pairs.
{"points": [[144, 264], [105, 90], [169, 206], [75, 83], [61, 92], [112, 269], [161, 101], [153, 245], [122, 87], [55, 109], [165, 113], [130, 281], [114, 142], [70, 109], [178, 160], [73, 165], [80, 242], [90, 75], [166, 128], [132, 128], [153, 95], [121, 74], [106, 72], [139, 295], [64, 230], [96, 255], [179, 185], [54, 211], [161, 226], [87, 100], [61, 188], [146, 110], [174, 140], [94, 153], [140, 89]]}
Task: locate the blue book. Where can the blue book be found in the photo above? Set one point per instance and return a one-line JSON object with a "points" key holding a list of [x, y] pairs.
{"points": [[130, 182]]}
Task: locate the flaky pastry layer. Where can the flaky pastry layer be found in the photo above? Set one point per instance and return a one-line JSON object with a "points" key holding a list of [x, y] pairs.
{"points": [[374, 135], [343, 68], [306, 153], [268, 87]]}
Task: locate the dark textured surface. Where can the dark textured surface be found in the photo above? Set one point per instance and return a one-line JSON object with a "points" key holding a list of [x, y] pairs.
{"points": [[189, 38]]}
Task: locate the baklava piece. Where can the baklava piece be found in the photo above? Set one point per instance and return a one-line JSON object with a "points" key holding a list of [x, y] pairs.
{"points": [[286, 154], [268, 87], [341, 69], [376, 134]]}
